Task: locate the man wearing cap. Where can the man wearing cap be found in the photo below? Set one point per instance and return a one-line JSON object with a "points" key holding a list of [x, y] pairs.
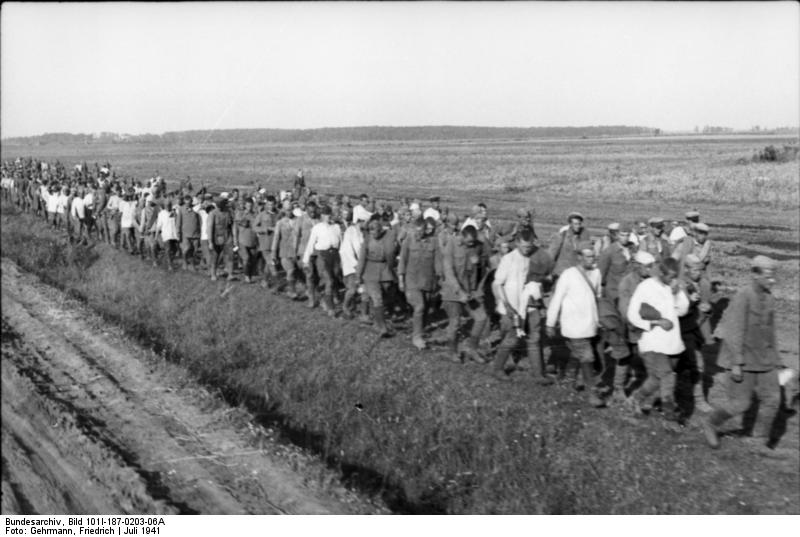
{"points": [[574, 306], [376, 270], [613, 262], [245, 242], [696, 244], [220, 233], [749, 353], [654, 242], [188, 222], [283, 247], [654, 308], [678, 233], [434, 211], [418, 272], [323, 246], [563, 247], [695, 327], [264, 226]]}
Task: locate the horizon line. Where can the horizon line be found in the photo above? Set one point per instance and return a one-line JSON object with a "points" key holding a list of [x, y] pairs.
{"points": [[690, 130]]}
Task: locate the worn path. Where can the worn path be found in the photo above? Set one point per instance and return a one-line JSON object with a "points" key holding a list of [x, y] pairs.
{"points": [[90, 425]]}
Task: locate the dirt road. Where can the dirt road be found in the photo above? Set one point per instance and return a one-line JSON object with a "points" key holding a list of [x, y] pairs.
{"points": [[92, 423]]}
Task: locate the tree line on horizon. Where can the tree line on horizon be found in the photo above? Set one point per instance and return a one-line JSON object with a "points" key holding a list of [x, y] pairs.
{"points": [[354, 134], [334, 134]]}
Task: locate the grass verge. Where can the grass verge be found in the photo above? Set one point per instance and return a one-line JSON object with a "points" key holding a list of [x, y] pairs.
{"points": [[437, 437]]}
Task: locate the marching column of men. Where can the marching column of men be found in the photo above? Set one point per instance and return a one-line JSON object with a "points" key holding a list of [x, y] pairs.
{"points": [[638, 304]]}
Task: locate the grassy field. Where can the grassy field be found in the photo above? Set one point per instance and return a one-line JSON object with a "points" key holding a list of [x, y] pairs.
{"points": [[439, 438], [662, 174], [427, 435]]}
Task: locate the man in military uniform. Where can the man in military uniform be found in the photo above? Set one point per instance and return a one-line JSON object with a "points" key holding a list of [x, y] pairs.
{"points": [[749, 353]]}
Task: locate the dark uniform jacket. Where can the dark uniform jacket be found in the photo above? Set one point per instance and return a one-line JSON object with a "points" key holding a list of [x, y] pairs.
{"points": [[748, 331], [420, 262]]}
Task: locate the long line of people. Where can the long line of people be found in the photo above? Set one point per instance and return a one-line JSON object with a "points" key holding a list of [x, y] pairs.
{"points": [[638, 303]]}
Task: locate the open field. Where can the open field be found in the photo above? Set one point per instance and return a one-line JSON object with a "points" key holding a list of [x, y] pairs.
{"points": [[93, 423], [427, 435], [621, 179]]}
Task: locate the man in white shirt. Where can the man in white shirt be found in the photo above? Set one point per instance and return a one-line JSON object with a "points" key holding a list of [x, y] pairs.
{"points": [[78, 214], [638, 233], [166, 225], [574, 307], [678, 233], [201, 209], [654, 308], [323, 242], [127, 220], [509, 280], [113, 216], [348, 253]]}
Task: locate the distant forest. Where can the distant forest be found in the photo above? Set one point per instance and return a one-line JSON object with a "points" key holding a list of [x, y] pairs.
{"points": [[364, 134], [327, 135]]}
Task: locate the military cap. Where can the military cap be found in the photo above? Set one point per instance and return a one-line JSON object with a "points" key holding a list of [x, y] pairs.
{"points": [[644, 258], [763, 262], [523, 212], [577, 215], [614, 226], [656, 221], [692, 215], [700, 226], [435, 198]]}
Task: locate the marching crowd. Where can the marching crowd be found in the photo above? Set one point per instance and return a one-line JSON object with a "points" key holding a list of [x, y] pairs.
{"points": [[639, 302]]}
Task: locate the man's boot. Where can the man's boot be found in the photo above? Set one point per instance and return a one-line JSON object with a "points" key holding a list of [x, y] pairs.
{"points": [[380, 322], [452, 351], [499, 365], [669, 410], [587, 371], [537, 370], [700, 403], [327, 303], [311, 291], [620, 374], [416, 331], [471, 350]]}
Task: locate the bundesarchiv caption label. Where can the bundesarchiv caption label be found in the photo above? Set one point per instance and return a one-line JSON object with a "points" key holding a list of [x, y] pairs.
{"points": [[84, 525]]}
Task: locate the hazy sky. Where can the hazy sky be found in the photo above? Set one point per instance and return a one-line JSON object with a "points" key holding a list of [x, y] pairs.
{"points": [[139, 68]]}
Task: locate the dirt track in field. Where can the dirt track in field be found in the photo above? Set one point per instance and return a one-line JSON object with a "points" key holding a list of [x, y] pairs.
{"points": [[89, 426]]}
